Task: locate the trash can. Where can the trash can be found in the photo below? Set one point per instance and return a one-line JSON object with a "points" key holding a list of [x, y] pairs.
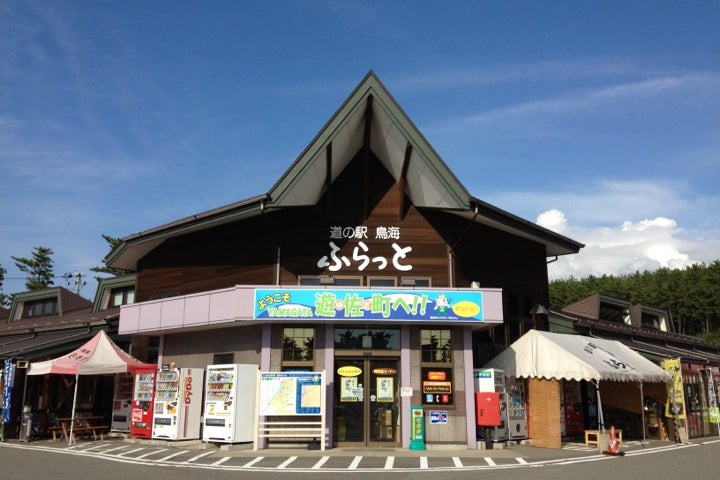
{"points": [[26, 425]]}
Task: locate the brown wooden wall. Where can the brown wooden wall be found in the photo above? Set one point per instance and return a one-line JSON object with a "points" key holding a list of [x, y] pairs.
{"points": [[246, 252]]}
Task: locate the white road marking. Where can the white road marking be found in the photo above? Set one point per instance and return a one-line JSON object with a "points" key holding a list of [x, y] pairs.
{"points": [[423, 463], [287, 462], [490, 461], [198, 457], [389, 462], [150, 453], [221, 461], [354, 464], [320, 462], [252, 462], [457, 462]]}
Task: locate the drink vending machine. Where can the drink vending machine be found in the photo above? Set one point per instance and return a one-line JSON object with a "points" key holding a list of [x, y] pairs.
{"points": [[517, 409], [142, 408], [492, 380], [230, 403], [122, 402], [178, 401]]}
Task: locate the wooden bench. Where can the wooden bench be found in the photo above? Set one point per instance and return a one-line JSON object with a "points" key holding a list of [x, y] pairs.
{"points": [[81, 428], [592, 437]]}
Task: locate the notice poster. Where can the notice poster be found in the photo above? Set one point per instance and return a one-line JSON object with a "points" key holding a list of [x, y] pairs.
{"points": [[385, 389], [348, 389]]}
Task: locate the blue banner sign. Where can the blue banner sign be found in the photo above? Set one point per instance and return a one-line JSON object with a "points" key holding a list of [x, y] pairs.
{"points": [[8, 379], [342, 304]]}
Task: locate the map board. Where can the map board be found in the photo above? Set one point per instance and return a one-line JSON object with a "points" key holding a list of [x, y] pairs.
{"points": [[290, 393]]}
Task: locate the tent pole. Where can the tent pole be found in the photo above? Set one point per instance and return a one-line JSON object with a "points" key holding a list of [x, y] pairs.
{"points": [[72, 416], [642, 410], [601, 420]]}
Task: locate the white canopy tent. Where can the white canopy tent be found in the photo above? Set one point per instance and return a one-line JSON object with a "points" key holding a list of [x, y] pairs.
{"points": [[99, 356], [575, 357]]}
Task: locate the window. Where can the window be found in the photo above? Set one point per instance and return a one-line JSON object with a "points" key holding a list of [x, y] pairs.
{"points": [[329, 280], [37, 308], [122, 296], [364, 337], [417, 282], [298, 345], [223, 358], [436, 346], [381, 281]]}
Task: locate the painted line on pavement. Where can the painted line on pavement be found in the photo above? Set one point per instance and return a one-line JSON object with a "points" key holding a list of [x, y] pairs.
{"points": [[320, 462], [286, 462], [389, 462], [354, 464]]}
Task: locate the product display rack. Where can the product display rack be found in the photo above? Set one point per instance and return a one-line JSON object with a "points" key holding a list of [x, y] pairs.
{"points": [[166, 386], [220, 386]]}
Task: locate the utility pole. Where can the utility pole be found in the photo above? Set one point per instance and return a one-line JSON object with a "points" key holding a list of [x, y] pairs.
{"points": [[78, 279]]}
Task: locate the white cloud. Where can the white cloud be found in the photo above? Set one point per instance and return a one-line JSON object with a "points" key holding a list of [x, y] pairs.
{"points": [[646, 244]]}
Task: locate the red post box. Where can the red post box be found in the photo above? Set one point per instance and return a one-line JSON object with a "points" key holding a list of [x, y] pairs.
{"points": [[487, 409]]}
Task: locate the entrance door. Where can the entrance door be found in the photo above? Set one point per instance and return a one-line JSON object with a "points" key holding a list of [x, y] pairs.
{"points": [[366, 401]]}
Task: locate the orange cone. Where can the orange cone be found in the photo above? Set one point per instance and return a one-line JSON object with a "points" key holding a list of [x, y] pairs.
{"points": [[613, 446]]}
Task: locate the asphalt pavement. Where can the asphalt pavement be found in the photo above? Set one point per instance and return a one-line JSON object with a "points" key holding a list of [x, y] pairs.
{"points": [[239, 457]]}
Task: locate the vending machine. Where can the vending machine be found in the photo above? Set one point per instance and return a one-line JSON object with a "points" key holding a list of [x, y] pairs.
{"points": [[572, 411], [122, 402], [230, 403], [178, 401], [493, 380], [142, 408], [517, 409]]}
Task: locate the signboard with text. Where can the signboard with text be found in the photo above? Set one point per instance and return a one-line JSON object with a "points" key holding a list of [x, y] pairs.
{"points": [[357, 304]]}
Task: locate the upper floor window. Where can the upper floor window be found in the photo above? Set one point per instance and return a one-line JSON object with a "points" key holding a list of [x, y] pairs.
{"points": [[436, 346], [298, 344], [37, 308], [122, 296]]}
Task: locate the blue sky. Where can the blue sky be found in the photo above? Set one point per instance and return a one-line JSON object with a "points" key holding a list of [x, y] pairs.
{"points": [[600, 120]]}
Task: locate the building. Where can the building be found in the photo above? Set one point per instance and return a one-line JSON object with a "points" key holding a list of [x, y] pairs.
{"points": [[645, 329], [367, 256], [46, 323]]}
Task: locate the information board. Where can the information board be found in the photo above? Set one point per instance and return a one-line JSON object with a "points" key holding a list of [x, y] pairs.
{"points": [[290, 393]]}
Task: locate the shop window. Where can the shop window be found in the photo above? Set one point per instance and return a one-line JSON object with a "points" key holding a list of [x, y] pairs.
{"points": [[436, 346], [359, 338], [37, 308], [298, 346], [122, 296]]}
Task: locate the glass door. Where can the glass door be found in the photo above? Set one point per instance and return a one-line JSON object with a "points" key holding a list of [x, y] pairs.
{"points": [[366, 401]]}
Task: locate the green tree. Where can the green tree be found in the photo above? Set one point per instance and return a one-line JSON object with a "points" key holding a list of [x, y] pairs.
{"points": [[4, 299], [113, 243], [39, 268]]}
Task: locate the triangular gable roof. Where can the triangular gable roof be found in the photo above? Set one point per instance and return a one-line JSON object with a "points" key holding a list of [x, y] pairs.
{"points": [[548, 355], [99, 356], [369, 114]]}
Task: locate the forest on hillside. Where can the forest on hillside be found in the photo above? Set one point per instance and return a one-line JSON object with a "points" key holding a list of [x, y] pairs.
{"points": [[690, 296]]}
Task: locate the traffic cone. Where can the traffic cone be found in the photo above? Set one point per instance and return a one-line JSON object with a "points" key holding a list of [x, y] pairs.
{"points": [[613, 446]]}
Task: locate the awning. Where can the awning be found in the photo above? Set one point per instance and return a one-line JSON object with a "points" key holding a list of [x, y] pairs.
{"points": [[41, 344], [574, 357]]}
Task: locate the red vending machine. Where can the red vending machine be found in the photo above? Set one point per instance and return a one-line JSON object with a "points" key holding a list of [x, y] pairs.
{"points": [[142, 408]]}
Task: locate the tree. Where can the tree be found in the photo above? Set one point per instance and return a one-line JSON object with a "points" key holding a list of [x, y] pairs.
{"points": [[113, 242], [4, 299], [39, 268]]}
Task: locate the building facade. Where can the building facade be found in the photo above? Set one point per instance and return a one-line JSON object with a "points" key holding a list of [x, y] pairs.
{"points": [[367, 260]]}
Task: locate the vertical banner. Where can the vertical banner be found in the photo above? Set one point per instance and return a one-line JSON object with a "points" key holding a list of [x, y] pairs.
{"points": [[8, 380], [713, 413], [675, 405]]}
